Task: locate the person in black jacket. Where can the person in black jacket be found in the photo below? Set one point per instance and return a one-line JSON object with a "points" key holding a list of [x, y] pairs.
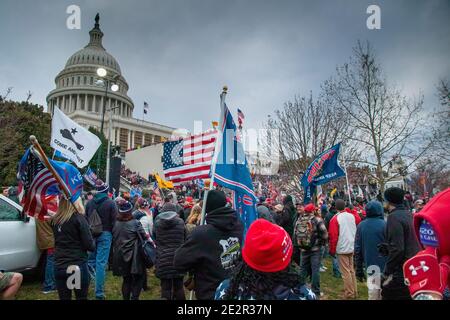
{"points": [[127, 259], [73, 240], [211, 250], [169, 234], [401, 244], [98, 259]]}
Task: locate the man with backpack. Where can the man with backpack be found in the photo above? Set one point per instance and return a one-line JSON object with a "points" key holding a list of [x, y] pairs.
{"points": [[310, 235], [101, 206]]}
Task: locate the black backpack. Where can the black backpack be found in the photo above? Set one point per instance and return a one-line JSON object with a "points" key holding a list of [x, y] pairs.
{"points": [[95, 223]]}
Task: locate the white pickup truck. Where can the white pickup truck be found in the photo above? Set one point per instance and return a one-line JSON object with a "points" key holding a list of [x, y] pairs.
{"points": [[18, 248]]}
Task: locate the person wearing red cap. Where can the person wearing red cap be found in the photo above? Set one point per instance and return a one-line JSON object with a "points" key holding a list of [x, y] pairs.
{"points": [[264, 271], [427, 274], [310, 235]]}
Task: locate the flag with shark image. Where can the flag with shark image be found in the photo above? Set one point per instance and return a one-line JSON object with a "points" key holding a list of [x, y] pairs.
{"points": [[74, 141]]}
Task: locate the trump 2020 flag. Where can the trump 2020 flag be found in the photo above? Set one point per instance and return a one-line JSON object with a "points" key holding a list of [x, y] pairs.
{"points": [[231, 170], [72, 140], [323, 169]]}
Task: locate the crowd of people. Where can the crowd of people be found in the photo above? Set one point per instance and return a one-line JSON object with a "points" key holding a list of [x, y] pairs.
{"points": [[281, 257]]}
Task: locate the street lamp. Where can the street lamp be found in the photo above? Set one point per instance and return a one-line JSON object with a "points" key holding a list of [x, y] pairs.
{"points": [[108, 160], [101, 72]]}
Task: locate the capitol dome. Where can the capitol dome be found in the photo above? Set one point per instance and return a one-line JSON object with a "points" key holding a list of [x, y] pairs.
{"points": [[77, 85], [89, 100], [93, 56]]}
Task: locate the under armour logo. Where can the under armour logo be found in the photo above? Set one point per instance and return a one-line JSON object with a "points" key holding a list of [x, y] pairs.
{"points": [[415, 269]]}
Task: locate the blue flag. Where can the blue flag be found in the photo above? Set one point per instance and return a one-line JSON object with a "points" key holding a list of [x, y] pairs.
{"points": [[71, 177], [90, 177], [232, 171], [322, 170]]}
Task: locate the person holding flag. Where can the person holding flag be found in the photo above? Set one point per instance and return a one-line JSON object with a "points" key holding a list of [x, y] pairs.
{"points": [[230, 169], [223, 232], [41, 178]]}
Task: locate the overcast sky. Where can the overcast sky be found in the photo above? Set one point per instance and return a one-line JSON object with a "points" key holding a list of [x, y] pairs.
{"points": [[177, 54]]}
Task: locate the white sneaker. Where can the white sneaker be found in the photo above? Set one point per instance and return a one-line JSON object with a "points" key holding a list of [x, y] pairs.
{"points": [[323, 269], [48, 291]]}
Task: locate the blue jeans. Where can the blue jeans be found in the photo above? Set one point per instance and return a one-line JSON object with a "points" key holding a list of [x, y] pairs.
{"points": [[98, 260], [310, 266], [49, 280], [336, 271]]}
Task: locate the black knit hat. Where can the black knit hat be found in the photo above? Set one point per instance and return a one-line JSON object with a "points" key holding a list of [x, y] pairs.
{"points": [[394, 195], [125, 207], [216, 199]]}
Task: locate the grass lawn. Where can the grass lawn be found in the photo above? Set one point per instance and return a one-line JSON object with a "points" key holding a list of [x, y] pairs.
{"points": [[31, 289]]}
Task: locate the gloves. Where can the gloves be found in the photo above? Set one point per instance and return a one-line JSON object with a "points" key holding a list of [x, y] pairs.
{"points": [[426, 272]]}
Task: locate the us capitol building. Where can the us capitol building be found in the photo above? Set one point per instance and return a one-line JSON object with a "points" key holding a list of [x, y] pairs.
{"points": [[79, 95]]}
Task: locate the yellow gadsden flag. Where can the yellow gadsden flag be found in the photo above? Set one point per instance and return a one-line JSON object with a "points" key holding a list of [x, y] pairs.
{"points": [[163, 184]]}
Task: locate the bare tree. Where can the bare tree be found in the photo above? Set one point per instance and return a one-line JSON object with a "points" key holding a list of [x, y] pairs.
{"points": [[441, 132], [29, 94], [430, 175], [306, 127], [8, 92], [386, 124]]}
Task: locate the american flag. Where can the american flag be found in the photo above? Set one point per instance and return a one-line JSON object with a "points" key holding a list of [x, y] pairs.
{"points": [[241, 117], [35, 179], [189, 158]]}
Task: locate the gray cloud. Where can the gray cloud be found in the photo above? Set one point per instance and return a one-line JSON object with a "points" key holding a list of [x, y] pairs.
{"points": [[177, 55]]}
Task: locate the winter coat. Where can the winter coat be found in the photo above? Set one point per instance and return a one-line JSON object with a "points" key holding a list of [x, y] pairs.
{"points": [[169, 234], [291, 212], [369, 234], [282, 219], [342, 233], [355, 214], [44, 235], [127, 258], [106, 209], [211, 251], [401, 240], [73, 240]]}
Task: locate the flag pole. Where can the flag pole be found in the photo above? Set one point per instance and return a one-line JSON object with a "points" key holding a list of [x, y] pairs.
{"points": [[49, 166], [216, 151], [52, 170], [346, 179]]}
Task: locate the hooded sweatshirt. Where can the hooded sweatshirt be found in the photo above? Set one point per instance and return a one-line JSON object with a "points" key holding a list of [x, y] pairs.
{"points": [[211, 250], [169, 235], [106, 209], [369, 234]]}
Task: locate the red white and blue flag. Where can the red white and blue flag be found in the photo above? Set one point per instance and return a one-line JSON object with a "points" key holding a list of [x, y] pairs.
{"points": [[189, 158], [37, 184], [241, 118]]}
